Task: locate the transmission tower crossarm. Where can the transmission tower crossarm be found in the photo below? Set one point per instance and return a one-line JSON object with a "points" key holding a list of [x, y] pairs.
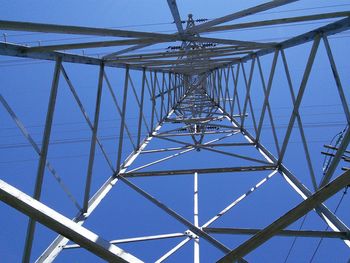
{"points": [[77, 30], [240, 14], [279, 21], [327, 30], [8, 49]]}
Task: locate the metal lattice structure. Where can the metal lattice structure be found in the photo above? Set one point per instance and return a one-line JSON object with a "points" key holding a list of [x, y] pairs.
{"points": [[198, 98]]}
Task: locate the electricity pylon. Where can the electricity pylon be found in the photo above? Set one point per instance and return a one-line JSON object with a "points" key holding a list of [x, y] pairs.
{"points": [[200, 102]]}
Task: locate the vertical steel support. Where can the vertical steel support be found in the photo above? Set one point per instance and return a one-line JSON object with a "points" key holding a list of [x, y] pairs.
{"points": [[93, 140], [195, 218], [162, 96], [235, 92], [247, 98], [227, 94], [214, 86], [169, 93], [175, 89], [156, 85], [141, 108], [219, 85], [42, 160], [153, 99], [122, 122]]}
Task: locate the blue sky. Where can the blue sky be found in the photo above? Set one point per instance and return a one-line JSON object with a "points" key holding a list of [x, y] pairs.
{"points": [[123, 213]]}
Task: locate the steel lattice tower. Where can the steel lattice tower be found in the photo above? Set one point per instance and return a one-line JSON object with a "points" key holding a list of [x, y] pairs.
{"points": [[198, 98]]}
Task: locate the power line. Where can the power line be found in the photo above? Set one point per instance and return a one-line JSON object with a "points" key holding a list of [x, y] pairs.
{"points": [[294, 240], [113, 137], [321, 239], [131, 118]]}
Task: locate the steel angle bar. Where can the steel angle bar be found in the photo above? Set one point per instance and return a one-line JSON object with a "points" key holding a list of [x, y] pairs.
{"points": [[171, 132], [161, 59], [14, 50], [122, 121], [207, 143], [93, 140], [330, 29], [279, 21], [198, 170], [162, 105], [286, 233], [176, 15], [135, 239], [97, 44], [141, 116], [194, 133], [233, 155], [144, 41], [235, 92], [180, 53], [227, 92], [42, 160], [288, 218], [126, 50], [63, 225], [77, 30], [173, 250], [169, 149], [247, 98], [238, 200], [247, 12], [230, 144], [195, 217], [162, 159], [151, 94]]}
